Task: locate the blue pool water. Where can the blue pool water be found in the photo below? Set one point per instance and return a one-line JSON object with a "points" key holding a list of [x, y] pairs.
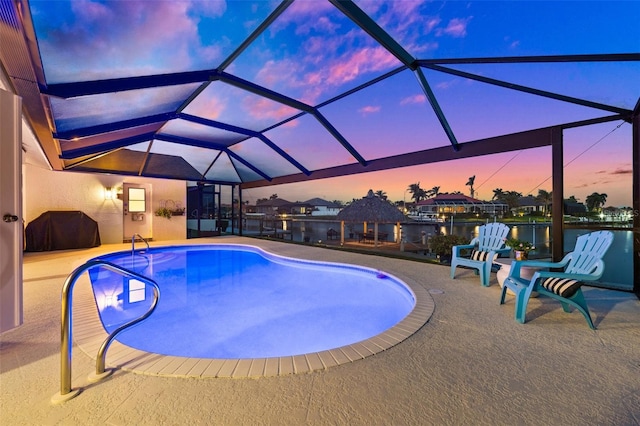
{"points": [[234, 301]]}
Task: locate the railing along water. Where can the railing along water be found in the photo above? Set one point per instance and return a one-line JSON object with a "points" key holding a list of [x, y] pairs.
{"points": [[66, 339]]}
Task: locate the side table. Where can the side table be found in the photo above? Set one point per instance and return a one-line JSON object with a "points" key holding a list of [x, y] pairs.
{"points": [[505, 268]]}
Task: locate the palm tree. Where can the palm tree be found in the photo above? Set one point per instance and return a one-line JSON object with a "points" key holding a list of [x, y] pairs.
{"points": [[472, 179], [381, 194], [417, 193], [433, 192], [544, 197], [512, 198], [273, 196], [595, 201], [498, 194]]}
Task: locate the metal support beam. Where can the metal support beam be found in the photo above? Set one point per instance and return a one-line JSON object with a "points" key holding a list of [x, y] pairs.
{"points": [[557, 215], [507, 143], [246, 132], [529, 90], [636, 198], [256, 33], [240, 228], [422, 79], [363, 20]]}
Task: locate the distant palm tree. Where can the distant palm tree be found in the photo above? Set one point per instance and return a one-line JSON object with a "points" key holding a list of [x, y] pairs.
{"points": [[512, 198], [433, 192], [595, 201], [545, 197], [273, 196], [472, 179], [572, 199], [381, 194], [417, 193], [498, 194]]}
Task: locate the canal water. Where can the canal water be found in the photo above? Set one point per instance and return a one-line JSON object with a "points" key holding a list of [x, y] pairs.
{"points": [[618, 260]]}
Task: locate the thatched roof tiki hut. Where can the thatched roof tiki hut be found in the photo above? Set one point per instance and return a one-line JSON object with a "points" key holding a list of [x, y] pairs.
{"points": [[370, 209]]}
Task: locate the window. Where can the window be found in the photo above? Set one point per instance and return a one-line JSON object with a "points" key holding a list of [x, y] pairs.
{"points": [[137, 201]]}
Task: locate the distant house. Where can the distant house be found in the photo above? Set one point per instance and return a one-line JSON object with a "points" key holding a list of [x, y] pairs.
{"points": [[528, 205], [279, 206], [574, 209], [323, 207], [460, 203]]}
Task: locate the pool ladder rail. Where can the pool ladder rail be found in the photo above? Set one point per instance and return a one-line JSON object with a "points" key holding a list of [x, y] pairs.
{"points": [[66, 340], [133, 242]]}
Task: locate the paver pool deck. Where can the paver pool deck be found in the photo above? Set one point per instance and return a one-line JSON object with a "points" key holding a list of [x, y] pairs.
{"points": [[471, 363]]}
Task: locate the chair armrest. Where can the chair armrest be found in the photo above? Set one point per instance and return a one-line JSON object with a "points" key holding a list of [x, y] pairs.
{"points": [[456, 249], [578, 277], [540, 264]]}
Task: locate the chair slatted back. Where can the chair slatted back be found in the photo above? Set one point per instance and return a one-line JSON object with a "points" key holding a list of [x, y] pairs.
{"points": [[588, 252], [492, 236]]}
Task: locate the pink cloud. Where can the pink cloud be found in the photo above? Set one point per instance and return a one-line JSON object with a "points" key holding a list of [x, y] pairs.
{"points": [[445, 85], [457, 27], [622, 171], [208, 107], [415, 99], [359, 62], [264, 108], [369, 109], [125, 38], [408, 21]]}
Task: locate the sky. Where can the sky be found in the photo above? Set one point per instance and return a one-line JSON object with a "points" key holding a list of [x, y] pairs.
{"points": [[313, 53]]}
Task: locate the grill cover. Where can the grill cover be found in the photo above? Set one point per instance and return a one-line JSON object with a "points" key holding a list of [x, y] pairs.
{"points": [[62, 230]]}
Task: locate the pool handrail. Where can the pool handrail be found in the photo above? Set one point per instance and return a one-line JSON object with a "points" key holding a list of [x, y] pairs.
{"points": [[66, 338], [133, 242]]}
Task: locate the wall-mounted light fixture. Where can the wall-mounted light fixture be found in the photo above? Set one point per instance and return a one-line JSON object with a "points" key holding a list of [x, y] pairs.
{"points": [[108, 193]]}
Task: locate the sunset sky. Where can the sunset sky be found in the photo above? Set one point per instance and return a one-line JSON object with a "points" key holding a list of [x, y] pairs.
{"points": [[312, 53]]}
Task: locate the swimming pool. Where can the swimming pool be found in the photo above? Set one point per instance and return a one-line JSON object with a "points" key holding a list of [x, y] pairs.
{"points": [[121, 298], [232, 301]]}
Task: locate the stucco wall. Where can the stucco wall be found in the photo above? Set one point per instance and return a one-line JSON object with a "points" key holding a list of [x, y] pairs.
{"points": [[45, 190]]}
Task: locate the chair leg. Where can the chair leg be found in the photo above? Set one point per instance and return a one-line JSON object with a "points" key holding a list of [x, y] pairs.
{"points": [[453, 269], [522, 300], [580, 303], [485, 274], [503, 293]]}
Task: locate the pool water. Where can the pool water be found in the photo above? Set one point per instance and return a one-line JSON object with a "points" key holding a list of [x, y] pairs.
{"points": [[234, 301]]}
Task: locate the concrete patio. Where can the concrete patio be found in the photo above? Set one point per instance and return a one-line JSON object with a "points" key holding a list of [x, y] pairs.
{"points": [[470, 364]]}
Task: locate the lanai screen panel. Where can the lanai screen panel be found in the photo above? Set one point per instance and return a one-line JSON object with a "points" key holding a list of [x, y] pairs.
{"points": [[387, 119], [312, 53], [200, 132], [86, 41], [224, 103], [330, 84], [310, 143], [94, 110]]}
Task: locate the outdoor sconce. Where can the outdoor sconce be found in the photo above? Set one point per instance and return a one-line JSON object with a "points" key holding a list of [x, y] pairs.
{"points": [[108, 193]]}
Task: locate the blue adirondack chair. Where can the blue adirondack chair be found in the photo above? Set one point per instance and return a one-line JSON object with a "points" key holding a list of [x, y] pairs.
{"points": [[582, 265], [483, 249]]}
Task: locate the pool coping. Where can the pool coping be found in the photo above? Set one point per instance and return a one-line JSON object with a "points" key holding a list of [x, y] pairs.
{"points": [[89, 335]]}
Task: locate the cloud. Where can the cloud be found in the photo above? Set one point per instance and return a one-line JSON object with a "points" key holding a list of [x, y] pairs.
{"points": [[620, 171], [415, 99], [263, 108], [457, 27], [96, 41], [408, 21], [444, 85], [369, 109]]}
